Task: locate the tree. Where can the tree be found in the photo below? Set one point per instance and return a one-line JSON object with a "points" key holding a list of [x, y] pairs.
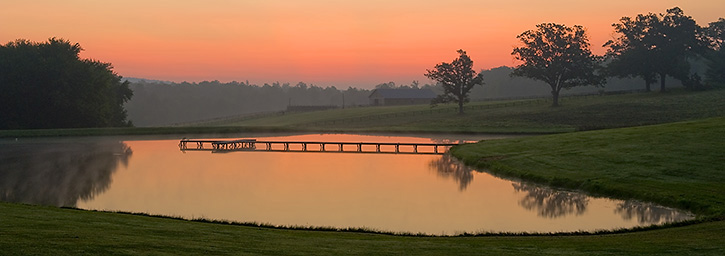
{"points": [[457, 79], [676, 41], [47, 85], [658, 44], [715, 36], [559, 56], [629, 53]]}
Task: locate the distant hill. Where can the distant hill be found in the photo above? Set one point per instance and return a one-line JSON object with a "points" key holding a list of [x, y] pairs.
{"points": [[144, 80]]}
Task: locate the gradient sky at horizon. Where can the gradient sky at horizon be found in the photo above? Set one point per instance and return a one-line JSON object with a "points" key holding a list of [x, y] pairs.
{"points": [[321, 42]]}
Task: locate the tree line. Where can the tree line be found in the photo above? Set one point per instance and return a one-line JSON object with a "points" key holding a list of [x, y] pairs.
{"points": [[47, 85], [651, 47], [158, 104]]}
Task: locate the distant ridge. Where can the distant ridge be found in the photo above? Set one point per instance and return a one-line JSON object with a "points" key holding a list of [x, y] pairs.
{"points": [[143, 80]]}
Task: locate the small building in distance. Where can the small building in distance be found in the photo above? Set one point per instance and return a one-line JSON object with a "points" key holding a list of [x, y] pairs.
{"points": [[393, 97]]}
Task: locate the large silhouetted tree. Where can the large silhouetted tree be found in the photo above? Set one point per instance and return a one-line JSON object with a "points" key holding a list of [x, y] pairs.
{"points": [[47, 85], [658, 44], [457, 79], [559, 56], [629, 53]]}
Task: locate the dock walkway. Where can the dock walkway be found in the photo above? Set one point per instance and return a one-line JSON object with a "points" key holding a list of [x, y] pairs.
{"points": [[222, 146]]}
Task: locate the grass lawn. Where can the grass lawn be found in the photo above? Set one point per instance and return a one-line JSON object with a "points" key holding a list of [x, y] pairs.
{"points": [[520, 116], [677, 164], [39, 230], [534, 116]]}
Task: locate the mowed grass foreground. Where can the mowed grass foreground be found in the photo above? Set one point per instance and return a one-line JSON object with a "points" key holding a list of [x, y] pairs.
{"points": [[675, 164], [39, 230]]}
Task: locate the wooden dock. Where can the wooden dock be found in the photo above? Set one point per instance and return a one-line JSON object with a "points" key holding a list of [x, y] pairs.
{"points": [[223, 146]]}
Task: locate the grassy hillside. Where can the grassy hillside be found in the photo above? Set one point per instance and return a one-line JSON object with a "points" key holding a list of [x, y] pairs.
{"points": [[677, 164], [520, 116], [577, 113]]}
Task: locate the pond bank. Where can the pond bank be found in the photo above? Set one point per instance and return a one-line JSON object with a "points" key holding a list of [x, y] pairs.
{"points": [[676, 164]]}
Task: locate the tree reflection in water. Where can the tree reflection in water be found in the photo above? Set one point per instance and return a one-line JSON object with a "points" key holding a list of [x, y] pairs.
{"points": [[449, 167], [58, 174], [650, 213], [551, 203]]}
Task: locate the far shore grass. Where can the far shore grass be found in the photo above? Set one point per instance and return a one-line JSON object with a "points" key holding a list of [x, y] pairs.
{"points": [[525, 116], [677, 163]]}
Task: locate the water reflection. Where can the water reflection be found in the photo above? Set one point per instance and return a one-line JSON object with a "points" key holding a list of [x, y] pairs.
{"points": [[58, 174], [449, 167], [649, 213], [551, 203], [432, 194]]}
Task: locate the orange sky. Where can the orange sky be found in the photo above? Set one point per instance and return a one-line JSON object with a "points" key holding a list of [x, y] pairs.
{"points": [[323, 42]]}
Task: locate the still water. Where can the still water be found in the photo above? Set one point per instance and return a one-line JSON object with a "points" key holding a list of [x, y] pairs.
{"points": [[430, 194]]}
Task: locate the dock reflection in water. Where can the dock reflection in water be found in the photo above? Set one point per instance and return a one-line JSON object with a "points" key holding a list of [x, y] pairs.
{"points": [[430, 194]]}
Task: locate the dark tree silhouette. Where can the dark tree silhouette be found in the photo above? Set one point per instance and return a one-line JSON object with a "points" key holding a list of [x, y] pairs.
{"points": [[655, 44], [47, 85], [629, 53], [559, 56], [457, 79], [715, 36]]}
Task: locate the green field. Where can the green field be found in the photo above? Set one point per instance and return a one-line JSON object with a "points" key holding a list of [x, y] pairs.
{"points": [[531, 116], [676, 163], [37, 230], [577, 113]]}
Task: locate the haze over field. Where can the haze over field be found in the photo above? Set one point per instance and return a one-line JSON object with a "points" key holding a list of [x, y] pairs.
{"points": [[320, 42]]}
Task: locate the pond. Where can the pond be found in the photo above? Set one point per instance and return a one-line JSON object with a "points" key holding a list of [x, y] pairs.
{"points": [[411, 193]]}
